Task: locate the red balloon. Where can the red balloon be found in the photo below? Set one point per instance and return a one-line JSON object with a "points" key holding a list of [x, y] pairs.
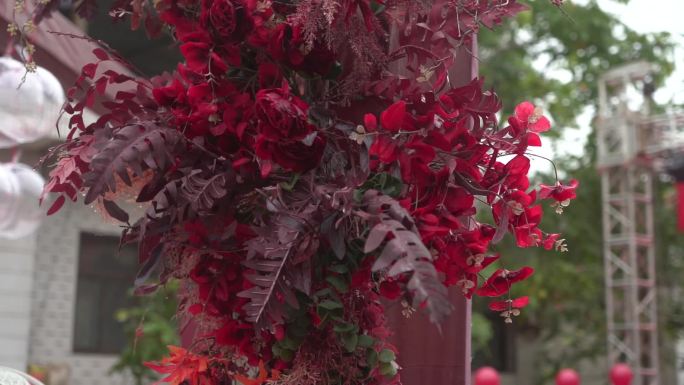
{"points": [[621, 374], [567, 377], [487, 376]]}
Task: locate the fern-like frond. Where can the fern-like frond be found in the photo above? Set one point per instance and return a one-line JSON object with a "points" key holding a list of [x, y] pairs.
{"points": [[132, 150]]}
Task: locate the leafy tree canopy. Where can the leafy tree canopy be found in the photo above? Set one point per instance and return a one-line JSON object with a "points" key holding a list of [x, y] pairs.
{"points": [[559, 54], [577, 43]]}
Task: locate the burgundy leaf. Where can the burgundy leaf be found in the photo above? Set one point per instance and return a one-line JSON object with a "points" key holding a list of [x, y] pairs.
{"points": [[115, 211], [56, 205]]}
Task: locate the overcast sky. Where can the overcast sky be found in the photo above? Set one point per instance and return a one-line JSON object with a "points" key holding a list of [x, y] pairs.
{"points": [[643, 16]]}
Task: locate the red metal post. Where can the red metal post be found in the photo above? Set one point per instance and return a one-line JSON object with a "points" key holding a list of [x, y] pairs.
{"points": [[425, 355]]}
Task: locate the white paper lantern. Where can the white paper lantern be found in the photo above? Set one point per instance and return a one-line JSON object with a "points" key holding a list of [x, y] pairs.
{"points": [[20, 189], [27, 112]]}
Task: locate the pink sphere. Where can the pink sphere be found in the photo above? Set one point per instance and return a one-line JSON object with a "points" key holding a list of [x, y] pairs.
{"points": [[621, 374], [567, 377], [487, 376]]}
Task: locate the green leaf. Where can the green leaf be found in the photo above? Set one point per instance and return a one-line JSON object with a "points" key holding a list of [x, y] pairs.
{"points": [[366, 341], [323, 293], [340, 269], [350, 341], [371, 357], [344, 327], [338, 283], [289, 343], [386, 356], [290, 185], [286, 355], [388, 369], [330, 305]]}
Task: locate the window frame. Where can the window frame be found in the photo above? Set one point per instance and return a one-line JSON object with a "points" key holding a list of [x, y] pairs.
{"points": [[103, 278]]}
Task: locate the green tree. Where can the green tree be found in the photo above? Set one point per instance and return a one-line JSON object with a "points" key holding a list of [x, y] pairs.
{"points": [[580, 42], [150, 327]]}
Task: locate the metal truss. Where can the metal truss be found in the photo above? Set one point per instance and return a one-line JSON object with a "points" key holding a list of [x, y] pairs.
{"points": [[627, 213]]}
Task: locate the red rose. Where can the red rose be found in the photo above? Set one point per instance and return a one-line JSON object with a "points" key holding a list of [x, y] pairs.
{"points": [[230, 19], [223, 17], [291, 155], [287, 45], [269, 75], [282, 116]]}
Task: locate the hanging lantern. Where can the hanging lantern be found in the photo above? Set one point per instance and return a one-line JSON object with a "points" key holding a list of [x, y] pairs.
{"points": [[567, 377], [621, 374], [487, 376], [20, 189], [28, 110]]}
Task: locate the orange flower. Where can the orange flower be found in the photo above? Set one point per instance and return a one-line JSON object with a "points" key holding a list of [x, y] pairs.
{"points": [[261, 379], [180, 366]]}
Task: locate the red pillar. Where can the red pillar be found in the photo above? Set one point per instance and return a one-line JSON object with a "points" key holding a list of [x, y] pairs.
{"points": [[425, 355], [680, 205]]}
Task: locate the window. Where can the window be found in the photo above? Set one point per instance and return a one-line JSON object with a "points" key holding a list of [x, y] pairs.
{"points": [[500, 351], [105, 276]]}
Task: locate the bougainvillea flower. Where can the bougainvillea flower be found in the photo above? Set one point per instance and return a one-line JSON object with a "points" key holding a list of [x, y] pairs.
{"points": [[200, 58], [559, 192], [392, 119], [531, 118], [384, 149], [517, 303], [370, 122], [501, 280], [516, 172]]}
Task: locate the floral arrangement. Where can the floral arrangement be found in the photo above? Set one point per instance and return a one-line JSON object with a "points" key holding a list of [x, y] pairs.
{"points": [[307, 162]]}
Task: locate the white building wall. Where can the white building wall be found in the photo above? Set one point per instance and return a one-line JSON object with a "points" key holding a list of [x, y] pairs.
{"points": [[16, 281], [54, 297]]}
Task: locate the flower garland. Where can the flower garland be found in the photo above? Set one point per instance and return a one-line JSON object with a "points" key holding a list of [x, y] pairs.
{"points": [[306, 160]]}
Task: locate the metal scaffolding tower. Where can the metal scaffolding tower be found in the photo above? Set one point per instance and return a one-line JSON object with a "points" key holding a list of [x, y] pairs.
{"points": [[625, 143]]}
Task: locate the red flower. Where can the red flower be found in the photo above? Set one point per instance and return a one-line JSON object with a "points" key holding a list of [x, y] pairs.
{"points": [[287, 45], [529, 118], [516, 173], [197, 232], [291, 155], [269, 75], [235, 333], [384, 149], [371, 122], [559, 192], [200, 57], [390, 289], [170, 94], [500, 282], [509, 304], [550, 241], [223, 17], [392, 119], [282, 116]]}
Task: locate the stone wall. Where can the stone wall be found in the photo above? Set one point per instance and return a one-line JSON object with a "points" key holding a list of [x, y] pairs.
{"points": [[54, 296]]}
